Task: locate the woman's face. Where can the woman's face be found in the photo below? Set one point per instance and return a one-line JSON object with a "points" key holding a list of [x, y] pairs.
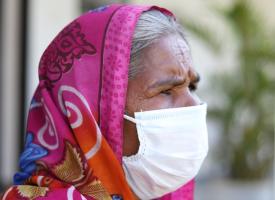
{"points": [[167, 80]]}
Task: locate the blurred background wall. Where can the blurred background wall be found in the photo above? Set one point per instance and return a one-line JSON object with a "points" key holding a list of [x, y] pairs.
{"points": [[233, 49], [12, 55]]}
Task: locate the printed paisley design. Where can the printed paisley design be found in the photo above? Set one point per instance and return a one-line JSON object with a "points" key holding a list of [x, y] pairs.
{"points": [[71, 105], [79, 119], [96, 190], [48, 130], [31, 192], [71, 169], [31, 153], [59, 58]]}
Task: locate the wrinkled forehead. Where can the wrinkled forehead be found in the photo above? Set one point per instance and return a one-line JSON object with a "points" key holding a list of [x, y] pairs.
{"points": [[168, 53], [181, 51]]}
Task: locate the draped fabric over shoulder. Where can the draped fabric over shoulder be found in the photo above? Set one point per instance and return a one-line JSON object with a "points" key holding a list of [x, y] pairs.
{"points": [[73, 146]]}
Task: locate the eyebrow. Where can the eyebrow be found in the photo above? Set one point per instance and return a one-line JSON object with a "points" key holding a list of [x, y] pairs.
{"points": [[169, 81], [173, 81]]}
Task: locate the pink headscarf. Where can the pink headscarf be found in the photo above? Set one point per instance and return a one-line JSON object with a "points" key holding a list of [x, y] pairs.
{"points": [[74, 135]]}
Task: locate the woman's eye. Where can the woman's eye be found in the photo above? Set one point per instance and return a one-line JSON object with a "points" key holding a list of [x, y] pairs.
{"points": [[166, 92], [192, 87]]}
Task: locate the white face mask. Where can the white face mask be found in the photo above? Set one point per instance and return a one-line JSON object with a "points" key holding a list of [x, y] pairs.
{"points": [[173, 145]]}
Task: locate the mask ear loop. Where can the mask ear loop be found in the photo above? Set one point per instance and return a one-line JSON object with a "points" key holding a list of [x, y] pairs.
{"points": [[131, 119]]}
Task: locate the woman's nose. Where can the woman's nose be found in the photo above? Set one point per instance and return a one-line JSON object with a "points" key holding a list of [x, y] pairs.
{"points": [[187, 98]]}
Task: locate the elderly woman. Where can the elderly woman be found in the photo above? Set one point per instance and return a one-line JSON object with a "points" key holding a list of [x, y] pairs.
{"points": [[114, 115]]}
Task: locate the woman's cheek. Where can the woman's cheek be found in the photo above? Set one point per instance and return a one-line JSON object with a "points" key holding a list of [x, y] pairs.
{"points": [[157, 102]]}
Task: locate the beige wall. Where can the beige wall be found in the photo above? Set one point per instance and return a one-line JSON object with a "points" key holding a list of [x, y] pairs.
{"points": [[10, 93]]}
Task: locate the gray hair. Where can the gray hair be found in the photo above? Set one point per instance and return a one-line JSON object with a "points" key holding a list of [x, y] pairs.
{"points": [[151, 26]]}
